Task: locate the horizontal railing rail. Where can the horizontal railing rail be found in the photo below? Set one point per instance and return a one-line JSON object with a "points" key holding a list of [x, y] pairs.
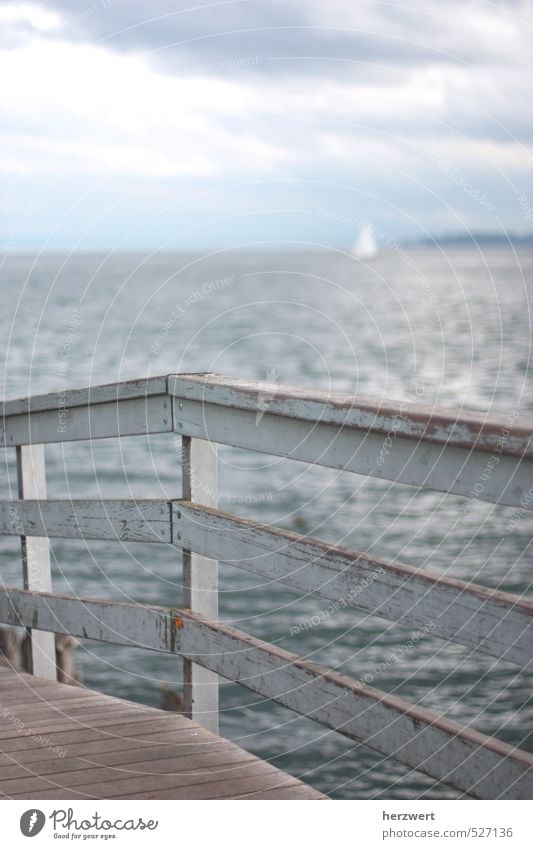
{"points": [[489, 458], [486, 620], [146, 520], [441, 425], [416, 421]]}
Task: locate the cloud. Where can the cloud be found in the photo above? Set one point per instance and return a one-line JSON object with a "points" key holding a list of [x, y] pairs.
{"points": [[219, 94], [111, 115], [291, 36]]}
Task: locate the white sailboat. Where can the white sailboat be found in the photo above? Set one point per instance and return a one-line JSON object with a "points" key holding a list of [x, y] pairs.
{"points": [[365, 246]]}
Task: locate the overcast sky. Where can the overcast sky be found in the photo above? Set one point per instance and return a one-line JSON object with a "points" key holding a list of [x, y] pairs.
{"points": [[169, 124]]}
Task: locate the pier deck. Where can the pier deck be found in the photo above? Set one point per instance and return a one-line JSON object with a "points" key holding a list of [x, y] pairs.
{"points": [[64, 742]]}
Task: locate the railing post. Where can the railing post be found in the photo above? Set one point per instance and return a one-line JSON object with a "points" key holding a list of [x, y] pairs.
{"points": [[36, 557], [200, 579]]}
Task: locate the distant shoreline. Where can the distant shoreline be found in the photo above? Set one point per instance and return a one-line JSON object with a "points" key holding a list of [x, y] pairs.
{"points": [[472, 240]]}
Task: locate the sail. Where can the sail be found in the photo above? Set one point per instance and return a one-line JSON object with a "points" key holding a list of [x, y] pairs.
{"points": [[365, 246]]}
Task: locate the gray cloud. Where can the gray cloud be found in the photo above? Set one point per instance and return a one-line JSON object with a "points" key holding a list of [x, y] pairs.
{"points": [[287, 36], [333, 104]]}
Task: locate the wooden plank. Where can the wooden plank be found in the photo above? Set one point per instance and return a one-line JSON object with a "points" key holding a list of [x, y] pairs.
{"points": [[200, 578], [493, 622], [190, 785], [142, 520], [108, 731], [39, 706], [58, 726], [46, 695], [418, 738], [231, 789], [442, 425], [485, 457], [114, 418], [8, 703], [161, 789], [424, 455], [166, 751], [70, 398], [158, 742], [111, 728], [36, 570], [112, 622], [187, 770], [288, 791], [39, 713]]}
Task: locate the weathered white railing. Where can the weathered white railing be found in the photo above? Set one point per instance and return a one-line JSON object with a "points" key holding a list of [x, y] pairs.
{"points": [[486, 458]]}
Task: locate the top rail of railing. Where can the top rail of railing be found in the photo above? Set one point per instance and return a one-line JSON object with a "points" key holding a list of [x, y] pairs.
{"points": [[467, 453], [511, 433]]}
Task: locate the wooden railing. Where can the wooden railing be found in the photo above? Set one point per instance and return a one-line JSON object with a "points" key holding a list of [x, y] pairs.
{"points": [[475, 456]]}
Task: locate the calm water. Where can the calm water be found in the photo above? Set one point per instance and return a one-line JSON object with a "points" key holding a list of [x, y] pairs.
{"points": [[448, 328]]}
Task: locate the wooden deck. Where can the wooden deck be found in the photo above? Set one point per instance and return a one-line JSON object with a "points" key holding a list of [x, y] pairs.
{"points": [[64, 742]]}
